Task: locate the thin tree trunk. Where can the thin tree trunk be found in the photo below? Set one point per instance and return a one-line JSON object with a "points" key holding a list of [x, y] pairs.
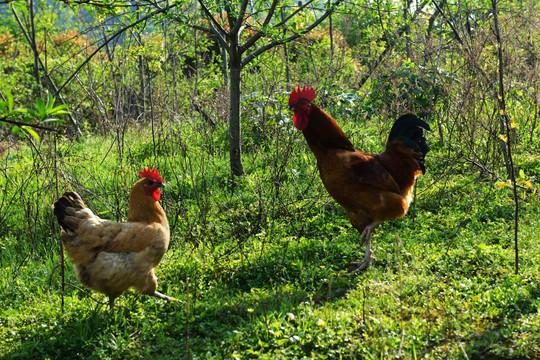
{"points": [[406, 5], [389, 47], [141, 103], [505, 122], [331, 31], [235, 137], [287, 66], [49, 79], [224, 61], [34, 46], [286, 53]]}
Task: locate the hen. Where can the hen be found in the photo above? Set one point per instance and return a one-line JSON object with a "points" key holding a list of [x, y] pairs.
{"points": [[111, 257], [372, 188]]}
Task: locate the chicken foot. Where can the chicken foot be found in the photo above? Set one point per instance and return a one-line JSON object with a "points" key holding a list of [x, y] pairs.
{"points": [[355, 266], [164, 297], [155, 294]]}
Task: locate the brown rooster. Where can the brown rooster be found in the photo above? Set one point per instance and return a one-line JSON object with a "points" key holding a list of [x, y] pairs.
{"points": [[372, 188], [111, 257]]}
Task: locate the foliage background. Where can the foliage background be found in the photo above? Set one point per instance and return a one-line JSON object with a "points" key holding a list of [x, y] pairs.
{"points": [[258, 263]]}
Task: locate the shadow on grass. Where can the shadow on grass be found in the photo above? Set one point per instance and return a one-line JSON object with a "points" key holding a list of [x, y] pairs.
{"points": [[504, 337], [66, 339]]}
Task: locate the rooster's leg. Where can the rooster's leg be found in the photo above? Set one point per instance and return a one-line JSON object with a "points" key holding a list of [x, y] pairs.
{"points": [[368, 256]]}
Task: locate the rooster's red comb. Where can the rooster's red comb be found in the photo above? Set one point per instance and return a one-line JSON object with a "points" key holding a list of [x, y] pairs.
{"points": [[151, 173], [307, 93]]}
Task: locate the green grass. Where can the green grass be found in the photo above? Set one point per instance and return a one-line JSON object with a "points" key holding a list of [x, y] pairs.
{"points": [[260, 271]]}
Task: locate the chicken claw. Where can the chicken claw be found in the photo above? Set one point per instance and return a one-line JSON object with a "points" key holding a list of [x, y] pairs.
{"points": [[165, 297], [356, 266]]}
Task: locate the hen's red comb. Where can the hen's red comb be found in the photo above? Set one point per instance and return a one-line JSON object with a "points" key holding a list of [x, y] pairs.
{"points": [[151, 173], [307, 93]]}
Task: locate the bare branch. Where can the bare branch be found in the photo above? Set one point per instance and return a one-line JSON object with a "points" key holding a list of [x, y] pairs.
{"points": [[274, 43], [454, 30], [108, 40], [253, 39], [211, 18], [18, 123], [293, 14], [237, 27]]}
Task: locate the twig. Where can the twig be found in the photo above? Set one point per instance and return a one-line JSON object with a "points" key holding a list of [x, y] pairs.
{"points": [[187, 319], [18, 123], [50, 80], [504, 116], [62, 262], [109, 39], [492, 173]]}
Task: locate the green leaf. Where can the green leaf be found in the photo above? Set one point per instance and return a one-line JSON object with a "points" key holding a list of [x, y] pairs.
{"points": [[9, 96], [20, 6], [53, 120], [40, 108], [31, 132], [3, 106], [19, 111], [58, 110]]}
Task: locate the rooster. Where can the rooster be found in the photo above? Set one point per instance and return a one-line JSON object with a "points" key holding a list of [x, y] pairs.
{"points": [[111, 257], [372, 188]]}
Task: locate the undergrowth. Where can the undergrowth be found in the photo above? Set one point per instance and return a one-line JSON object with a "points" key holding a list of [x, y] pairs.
{"points": [[259, 265]]}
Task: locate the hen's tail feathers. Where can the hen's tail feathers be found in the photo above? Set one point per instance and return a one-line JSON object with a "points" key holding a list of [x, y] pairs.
{"points": [[70, 199]]}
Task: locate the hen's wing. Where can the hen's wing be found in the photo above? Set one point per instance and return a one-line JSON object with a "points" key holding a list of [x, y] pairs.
{"points": [[84, 234]]}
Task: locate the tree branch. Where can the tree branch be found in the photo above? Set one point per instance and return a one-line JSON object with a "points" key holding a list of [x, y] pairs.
{"points": [[108, 40], [274, 43], [389, 47], [18, 123], [454, 30], [293, 14], [260, 33], [234, 31], [215, 28], [504, 118]]}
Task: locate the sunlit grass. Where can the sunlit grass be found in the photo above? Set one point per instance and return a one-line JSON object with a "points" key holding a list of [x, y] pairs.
{"points": [[260, 269]]}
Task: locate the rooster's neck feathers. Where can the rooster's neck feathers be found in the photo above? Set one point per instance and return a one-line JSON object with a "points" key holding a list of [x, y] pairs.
{"points": [[323, 131]]}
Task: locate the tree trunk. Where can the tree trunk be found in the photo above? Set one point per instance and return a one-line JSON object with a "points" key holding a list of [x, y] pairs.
{"points": [[235, 137], [331, 31], [223, 52], [34, 47]]}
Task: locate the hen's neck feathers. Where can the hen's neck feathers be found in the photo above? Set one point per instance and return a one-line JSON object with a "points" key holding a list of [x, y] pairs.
{"points": [[143, 207], [323, 132]]}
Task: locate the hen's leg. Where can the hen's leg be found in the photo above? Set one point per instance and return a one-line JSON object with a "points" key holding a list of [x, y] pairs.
{"points": [[151, 286], [368, 256], [164, 297], [111, 301]]}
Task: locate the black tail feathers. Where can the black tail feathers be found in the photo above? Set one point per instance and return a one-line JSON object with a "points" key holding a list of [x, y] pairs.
{"points": [[410, 129], [69, 199]]}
